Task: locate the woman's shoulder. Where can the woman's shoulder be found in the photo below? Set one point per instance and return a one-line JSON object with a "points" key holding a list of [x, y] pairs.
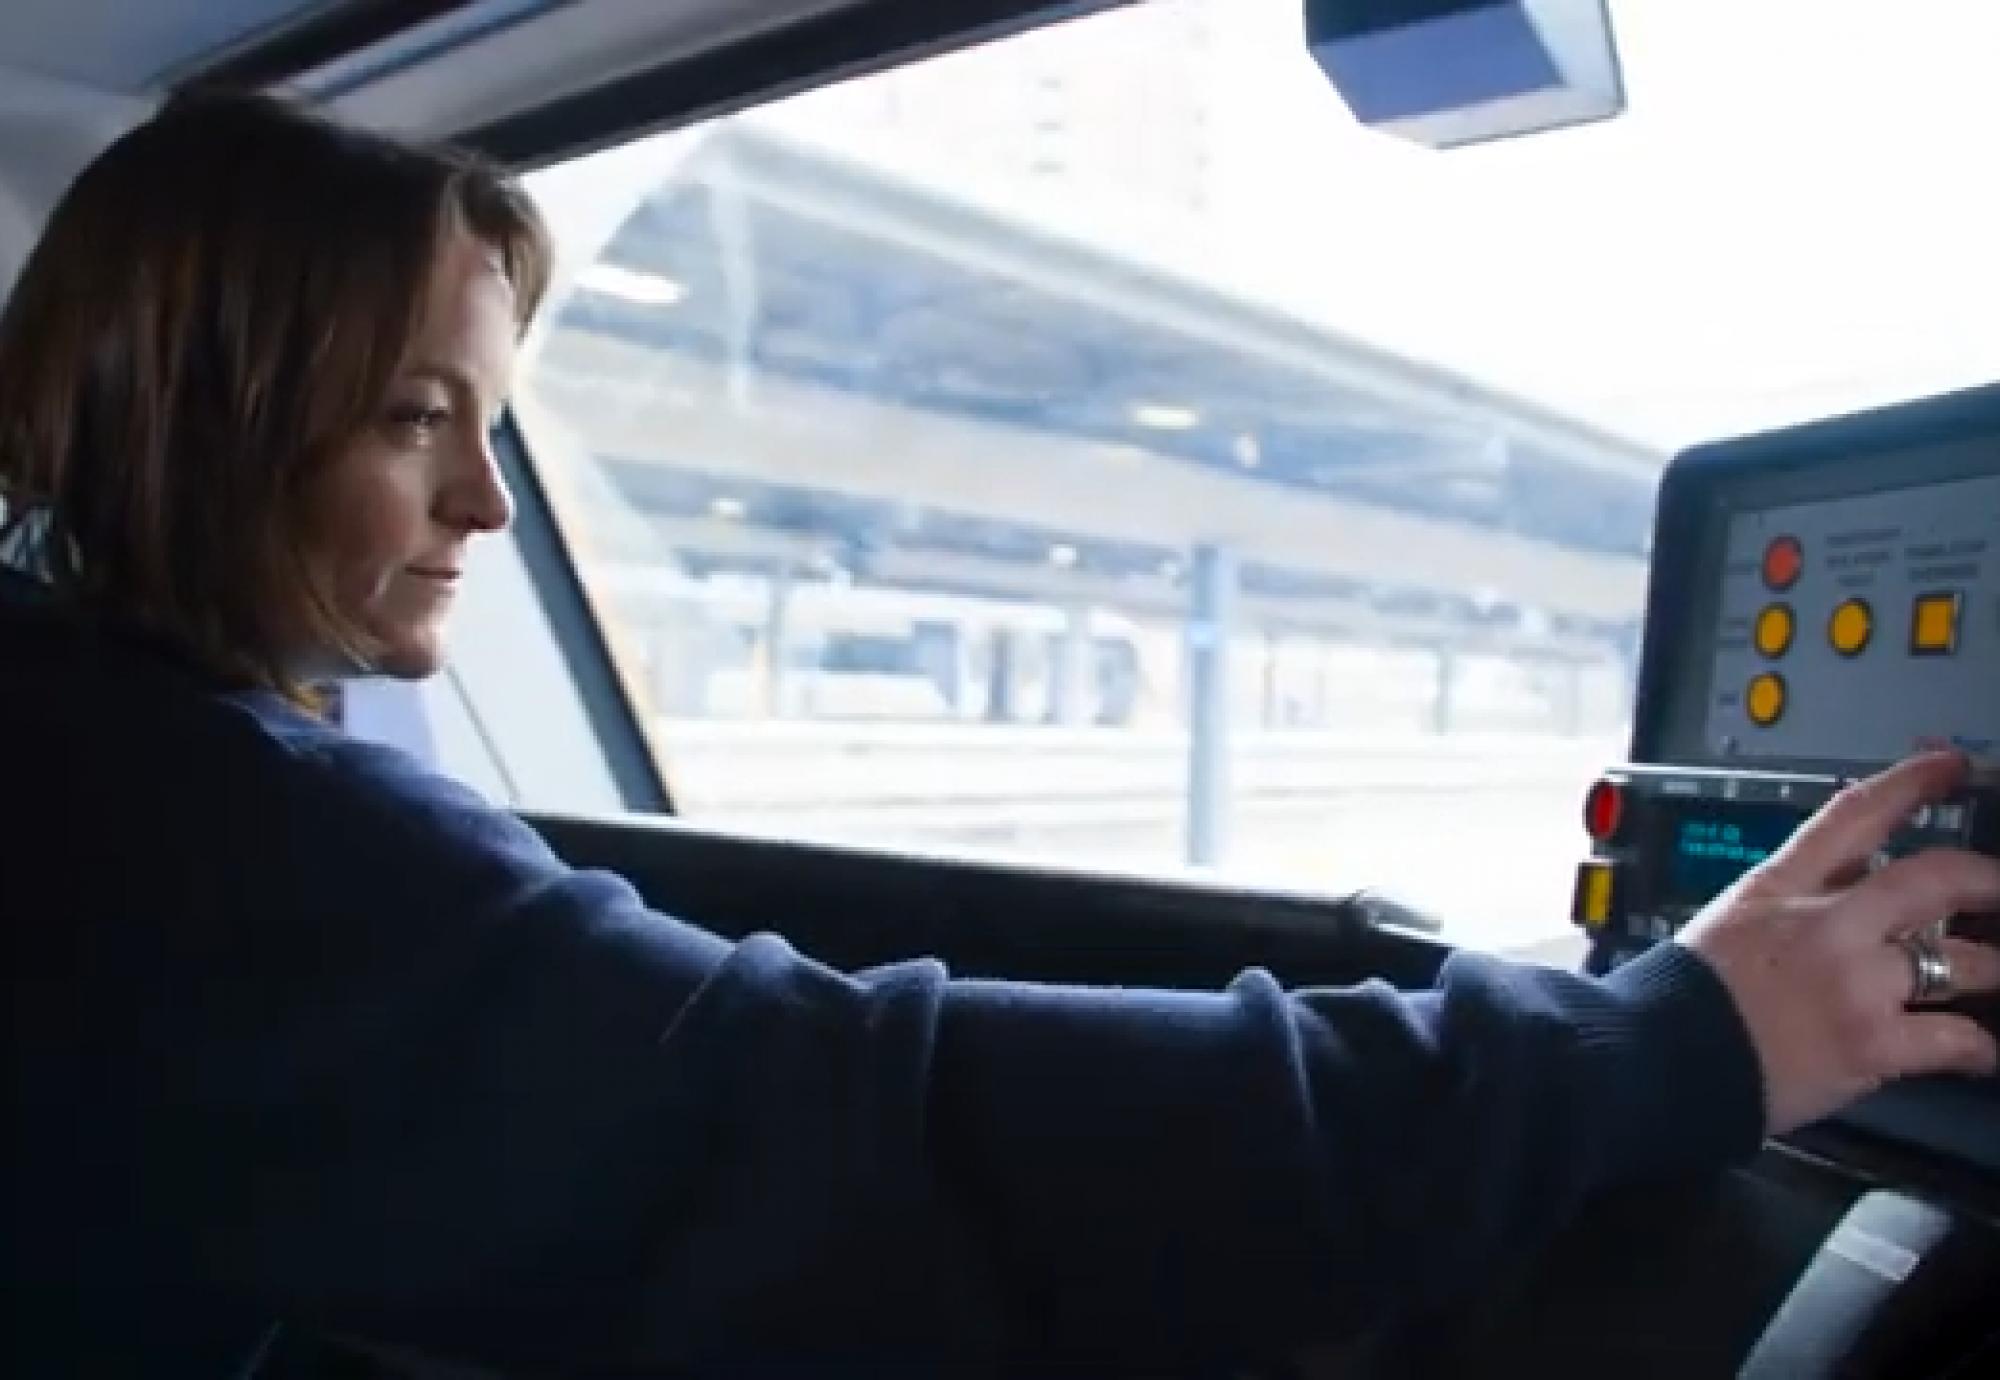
{"points": [[184, 756], [375, 793]]}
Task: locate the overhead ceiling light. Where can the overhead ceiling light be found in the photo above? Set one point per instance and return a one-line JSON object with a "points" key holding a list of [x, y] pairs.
{"points": [[730, 508], [1062, 554], [646, 289], [1165, 417]]}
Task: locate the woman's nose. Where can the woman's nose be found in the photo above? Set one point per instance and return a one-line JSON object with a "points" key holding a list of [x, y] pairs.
{"points": [[479, 500]]}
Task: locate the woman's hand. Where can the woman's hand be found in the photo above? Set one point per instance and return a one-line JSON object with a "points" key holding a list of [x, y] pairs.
{"points": [[1807, 944]]}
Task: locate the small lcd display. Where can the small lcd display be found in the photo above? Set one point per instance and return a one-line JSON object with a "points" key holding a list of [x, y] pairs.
{"points": [[1715, 844]]}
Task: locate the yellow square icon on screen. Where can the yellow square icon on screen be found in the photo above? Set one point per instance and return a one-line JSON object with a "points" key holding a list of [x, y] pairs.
{"points": [[1934, 624]]}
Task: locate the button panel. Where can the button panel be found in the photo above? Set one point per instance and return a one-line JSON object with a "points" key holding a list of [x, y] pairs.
{"points": [[1879, 609]]}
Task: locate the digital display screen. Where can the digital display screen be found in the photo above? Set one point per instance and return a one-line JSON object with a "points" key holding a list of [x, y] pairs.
{"points": [[1714, 845]]}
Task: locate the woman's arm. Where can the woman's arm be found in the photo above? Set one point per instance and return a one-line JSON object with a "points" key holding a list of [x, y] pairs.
{"points": [[393, 1070]]}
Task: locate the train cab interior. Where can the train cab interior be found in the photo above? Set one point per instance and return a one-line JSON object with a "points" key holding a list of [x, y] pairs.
{"points": [[1126, 492]]}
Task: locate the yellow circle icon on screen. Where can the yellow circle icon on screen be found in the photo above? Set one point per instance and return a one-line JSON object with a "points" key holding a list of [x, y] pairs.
{"points": [[1851, 626], [1775, 626], [1765, 699]]}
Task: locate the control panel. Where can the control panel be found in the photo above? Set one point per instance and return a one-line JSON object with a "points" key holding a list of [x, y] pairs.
{"points": [[1665, 841], [1823, 602]]}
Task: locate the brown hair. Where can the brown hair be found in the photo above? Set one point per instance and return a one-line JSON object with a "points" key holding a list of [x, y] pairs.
{"points": [[216, 309]]}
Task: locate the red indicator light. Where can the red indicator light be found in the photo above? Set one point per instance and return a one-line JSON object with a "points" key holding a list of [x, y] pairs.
{"points": [[1604, 810], [1784, 562]]}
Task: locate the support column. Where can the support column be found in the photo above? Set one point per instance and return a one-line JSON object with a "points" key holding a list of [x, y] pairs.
{"points": [[777, 643], [1000, 677], [1208, 630], [1271, 713], [1443, 706], [1070, 687]]}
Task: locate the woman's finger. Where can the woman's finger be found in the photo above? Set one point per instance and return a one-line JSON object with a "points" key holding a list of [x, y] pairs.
{"points": [[1839, 840], [1889, 979], [1934, 1042], [1914, 892]]}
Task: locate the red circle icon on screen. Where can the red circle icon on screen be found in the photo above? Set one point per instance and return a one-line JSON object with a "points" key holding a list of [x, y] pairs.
{"points": [[1784, 562]]}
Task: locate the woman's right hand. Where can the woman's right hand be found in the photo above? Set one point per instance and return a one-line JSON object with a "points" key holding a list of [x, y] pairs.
{"points": [[1807, 945]]}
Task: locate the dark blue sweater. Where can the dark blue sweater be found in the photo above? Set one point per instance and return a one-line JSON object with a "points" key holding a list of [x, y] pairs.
{"points": [[300, 1031]]}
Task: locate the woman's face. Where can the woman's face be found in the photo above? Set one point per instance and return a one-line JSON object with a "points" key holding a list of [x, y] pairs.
{"points": [[397, 510]]}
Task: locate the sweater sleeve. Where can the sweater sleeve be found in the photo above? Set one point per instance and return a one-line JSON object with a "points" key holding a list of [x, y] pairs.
{"points": [[411, 1078]]}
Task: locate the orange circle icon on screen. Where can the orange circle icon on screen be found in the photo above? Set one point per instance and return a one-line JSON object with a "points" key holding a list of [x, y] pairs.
{"points": [[1784, 562], [1765, 700], [1851, 626], [1775, 626]]}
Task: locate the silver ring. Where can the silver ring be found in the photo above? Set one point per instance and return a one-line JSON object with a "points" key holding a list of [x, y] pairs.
{"points": [[1930, 966]]}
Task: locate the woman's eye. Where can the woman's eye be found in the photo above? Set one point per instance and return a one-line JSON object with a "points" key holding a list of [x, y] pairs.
{"points": [[424, 421]]}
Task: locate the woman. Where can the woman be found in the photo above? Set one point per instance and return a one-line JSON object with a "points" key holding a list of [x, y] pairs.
{"points": [[303, 1034]]}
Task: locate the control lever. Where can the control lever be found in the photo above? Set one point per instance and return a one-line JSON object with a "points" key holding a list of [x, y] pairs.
{"points": [[1903, 1288]]}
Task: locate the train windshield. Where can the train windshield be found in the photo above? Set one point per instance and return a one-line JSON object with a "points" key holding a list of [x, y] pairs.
{"points": [[1096, 446]]}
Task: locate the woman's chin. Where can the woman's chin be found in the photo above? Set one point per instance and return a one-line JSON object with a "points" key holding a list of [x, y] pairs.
{"points": [[410, 654]]}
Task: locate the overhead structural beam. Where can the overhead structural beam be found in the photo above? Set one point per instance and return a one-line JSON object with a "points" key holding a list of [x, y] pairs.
{"points": [[647, 406], [822, 186]]}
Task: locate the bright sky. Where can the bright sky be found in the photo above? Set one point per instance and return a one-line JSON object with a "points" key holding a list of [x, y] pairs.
{"points": [[1795, 215]]}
